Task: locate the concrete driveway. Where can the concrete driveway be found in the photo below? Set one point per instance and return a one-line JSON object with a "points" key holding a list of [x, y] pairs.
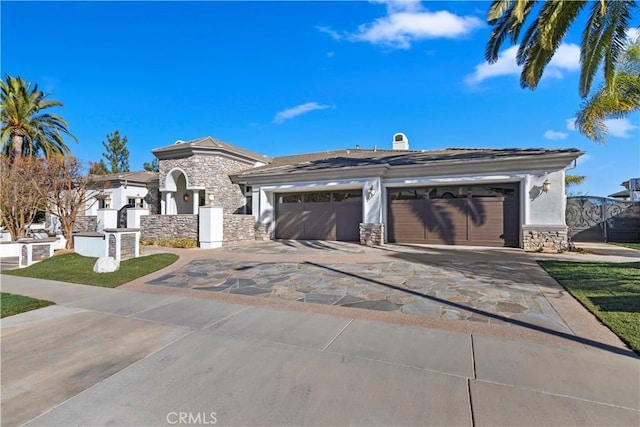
{"points": [[118, 357], [174, 355]]}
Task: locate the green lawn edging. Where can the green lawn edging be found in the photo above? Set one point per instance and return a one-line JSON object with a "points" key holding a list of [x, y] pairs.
{"points": [[75, 268], [611, 291], [11, 304]]}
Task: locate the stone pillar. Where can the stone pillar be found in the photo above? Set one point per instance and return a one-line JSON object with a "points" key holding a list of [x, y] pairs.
{"points": [[133, 216], [107, 218], [371, 234], [210, 221]]}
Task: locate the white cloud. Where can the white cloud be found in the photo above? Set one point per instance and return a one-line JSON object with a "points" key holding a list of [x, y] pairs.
{"points": [[292, 112], [566, 58], [331, 54], [554, 135], [633, 33], [327, 30], [571, 123], [406, 22], [399, 29], [620, 127]]}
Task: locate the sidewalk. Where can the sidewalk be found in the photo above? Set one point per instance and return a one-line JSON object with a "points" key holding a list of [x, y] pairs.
{"points": [[117, 357]]}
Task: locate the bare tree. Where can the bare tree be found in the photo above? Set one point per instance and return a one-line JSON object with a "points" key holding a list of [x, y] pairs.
{"points": [[68, 192], [21, 193]]}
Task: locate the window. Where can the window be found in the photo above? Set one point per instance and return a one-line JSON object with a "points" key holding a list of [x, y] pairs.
{"points": [[347, 196]]}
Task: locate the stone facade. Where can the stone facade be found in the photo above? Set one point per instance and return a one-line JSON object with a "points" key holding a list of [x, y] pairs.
{"points": [[210, 172], [536, 238], [371, 234], [156, 227], [236, 228], [112, 246], [263, 231], [152, 198], [40, 252], [127, 245], [85, 224]]}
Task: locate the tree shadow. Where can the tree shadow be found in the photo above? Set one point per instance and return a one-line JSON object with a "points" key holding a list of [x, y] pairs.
{"points": [[527, 325]]}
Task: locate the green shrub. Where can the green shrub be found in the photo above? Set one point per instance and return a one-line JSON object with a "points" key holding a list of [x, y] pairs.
{"points": [[183, 242]]}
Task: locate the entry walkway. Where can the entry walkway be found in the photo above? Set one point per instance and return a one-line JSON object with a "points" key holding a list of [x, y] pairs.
{"points": [[119, 357]]}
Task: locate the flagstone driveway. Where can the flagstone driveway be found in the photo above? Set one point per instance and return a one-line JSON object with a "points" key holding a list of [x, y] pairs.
{"points": [[477, 284]]}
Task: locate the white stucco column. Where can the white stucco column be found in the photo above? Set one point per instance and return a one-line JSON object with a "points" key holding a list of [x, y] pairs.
{"points": [[107, 218], [372, 201], [134, 215], [163, 205], [169, 205], [196, 200], [210, 228]]}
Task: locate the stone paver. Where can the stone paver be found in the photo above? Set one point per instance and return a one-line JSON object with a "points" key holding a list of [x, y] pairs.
{"points": [[397, 278]]}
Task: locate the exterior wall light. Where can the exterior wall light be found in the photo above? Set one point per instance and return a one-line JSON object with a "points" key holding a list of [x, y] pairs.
{"points": [[138, 200], [211, 198], [371, 191], [185, 197], [546, 186], [107, 201]]}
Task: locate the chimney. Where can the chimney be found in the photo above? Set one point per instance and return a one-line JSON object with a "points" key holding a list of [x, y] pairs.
{"points": [[400, 141]]}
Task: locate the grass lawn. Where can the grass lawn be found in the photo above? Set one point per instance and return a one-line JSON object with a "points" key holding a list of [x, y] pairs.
{"points": [[609, 290], [75, 268], [630, 245], [11, 304]]}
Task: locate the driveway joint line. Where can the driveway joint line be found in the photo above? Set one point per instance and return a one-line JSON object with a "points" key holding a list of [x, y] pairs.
{"points": [[568, 396], [338, 334], [153, 308], [215, 322], [186, 334], [473, 421], [473, 359]]}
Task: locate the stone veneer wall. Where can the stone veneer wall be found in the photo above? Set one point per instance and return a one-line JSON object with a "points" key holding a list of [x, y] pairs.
{"points": [[158, 227], [371, 234], [211, 172], [40, 252], [543, 237], [236, 228], [263, 231], [85, 224], [153, 198], [127, 246]]}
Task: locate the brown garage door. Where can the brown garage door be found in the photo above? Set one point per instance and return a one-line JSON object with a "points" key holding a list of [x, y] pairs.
{"points": [[461, 215], [319, 215]]}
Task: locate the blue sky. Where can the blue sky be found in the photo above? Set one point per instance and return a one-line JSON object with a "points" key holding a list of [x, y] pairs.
{"points": [[291, 77]]}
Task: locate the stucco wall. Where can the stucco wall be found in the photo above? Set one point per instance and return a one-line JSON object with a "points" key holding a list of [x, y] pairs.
{"points": [[210, 172], [545, 208]]}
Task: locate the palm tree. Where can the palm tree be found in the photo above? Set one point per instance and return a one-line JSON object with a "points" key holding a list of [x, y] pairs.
{"points": [[614, 100], [603, 37], [26, 127]]}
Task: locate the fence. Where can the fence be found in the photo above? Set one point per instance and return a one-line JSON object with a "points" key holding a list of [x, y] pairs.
{"points": [[599, 219]]}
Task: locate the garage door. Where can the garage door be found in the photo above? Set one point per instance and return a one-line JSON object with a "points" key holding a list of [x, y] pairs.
{"points": [[461, 215], [319, 215]]}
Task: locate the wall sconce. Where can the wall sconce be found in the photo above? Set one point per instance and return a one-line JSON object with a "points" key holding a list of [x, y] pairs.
{"points": [[546, 186], [211, 198], [107, 201], [185, 197], [371, 191], [138, 200]]}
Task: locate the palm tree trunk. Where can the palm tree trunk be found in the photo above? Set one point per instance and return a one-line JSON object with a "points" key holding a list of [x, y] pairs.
{"points": [[16, 141]]}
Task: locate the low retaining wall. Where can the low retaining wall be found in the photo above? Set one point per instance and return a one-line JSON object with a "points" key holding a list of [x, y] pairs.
{"points": [[263, 231], [119, 243], [236, 228], [371, 234], [157, 227]]}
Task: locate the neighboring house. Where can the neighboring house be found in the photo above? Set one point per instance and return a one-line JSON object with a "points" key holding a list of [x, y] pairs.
{"points": [[115, 191], [496, 197], [623, 194]]}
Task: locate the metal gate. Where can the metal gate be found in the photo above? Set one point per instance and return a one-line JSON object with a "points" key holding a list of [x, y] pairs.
{"points": [[599, 219]]}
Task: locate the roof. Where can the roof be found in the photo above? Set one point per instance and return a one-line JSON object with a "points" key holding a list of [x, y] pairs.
{"points": [[350, 158], [206, 143], [143, 177], [621, 194]]}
